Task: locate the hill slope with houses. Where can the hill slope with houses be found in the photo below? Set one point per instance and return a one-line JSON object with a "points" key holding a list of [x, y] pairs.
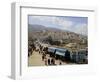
{"points": [[47, 34]]}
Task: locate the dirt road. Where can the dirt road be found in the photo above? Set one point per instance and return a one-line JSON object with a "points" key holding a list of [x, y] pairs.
{"points": [[36, 60]]}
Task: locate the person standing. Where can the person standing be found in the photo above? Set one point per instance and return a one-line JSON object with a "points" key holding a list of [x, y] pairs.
{"points": [[42, 57], [49, 62], [52, 61], [60, 63], [46, 61]]}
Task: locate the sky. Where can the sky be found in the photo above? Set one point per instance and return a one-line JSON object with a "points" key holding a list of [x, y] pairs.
{"points": [[70, 23]]}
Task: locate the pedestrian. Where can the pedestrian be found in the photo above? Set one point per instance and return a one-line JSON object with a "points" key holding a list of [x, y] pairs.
{"points": [[46, 61], [42, 57], [60, 63], [52, 61], [39, 51], [49, 62]]}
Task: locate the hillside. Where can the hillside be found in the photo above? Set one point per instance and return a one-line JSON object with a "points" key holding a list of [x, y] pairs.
{"points": [[45, 34], [40, 31]]}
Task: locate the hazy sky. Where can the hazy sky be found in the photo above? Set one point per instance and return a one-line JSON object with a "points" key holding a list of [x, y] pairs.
{"points": [[73, 24]]}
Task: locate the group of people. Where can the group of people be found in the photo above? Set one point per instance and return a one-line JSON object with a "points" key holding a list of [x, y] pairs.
{"points": [[49, 61]]}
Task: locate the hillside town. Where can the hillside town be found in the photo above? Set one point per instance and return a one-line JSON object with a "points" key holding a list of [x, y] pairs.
{"points": [[47, 47]]}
